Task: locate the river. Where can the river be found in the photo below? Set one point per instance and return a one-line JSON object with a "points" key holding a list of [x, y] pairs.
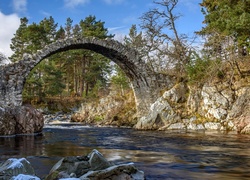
{"points": [[161, 155]]}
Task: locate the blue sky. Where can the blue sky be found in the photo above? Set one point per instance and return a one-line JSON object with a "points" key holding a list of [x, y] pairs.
{"points": [[118, 15]]}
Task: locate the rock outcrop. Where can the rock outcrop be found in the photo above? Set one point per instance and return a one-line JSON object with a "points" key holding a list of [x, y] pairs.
{"points": [[211, 107], [20, 120]]}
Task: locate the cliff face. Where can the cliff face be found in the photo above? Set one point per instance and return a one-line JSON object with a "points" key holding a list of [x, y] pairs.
{"points": [[214, 106]]}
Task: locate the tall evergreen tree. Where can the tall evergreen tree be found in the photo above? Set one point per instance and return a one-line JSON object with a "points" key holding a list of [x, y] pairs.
{"points": [[227, 21], [93, 67], [18, 44], [134, 39], [68, 27], [91, 27]]}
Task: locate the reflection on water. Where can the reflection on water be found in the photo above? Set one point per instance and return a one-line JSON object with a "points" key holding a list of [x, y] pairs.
{"points": [[161, 155]]}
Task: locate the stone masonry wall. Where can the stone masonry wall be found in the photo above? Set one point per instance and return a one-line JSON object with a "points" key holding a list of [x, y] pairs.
{"points": [[146, 84]]}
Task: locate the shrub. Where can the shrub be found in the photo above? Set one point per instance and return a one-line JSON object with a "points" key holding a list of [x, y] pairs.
{"points": [[198, 69], [201, 70]]}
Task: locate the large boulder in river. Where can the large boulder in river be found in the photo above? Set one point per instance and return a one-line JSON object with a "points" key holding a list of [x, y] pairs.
{"points": [[20, 120], [28, 120]]}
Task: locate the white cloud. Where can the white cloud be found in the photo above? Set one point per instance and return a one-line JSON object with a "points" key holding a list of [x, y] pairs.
{"points": [[20, 6], [73, 3], [44, 13], [113, 1], [119, 32], [10, 24], [112, 29]]}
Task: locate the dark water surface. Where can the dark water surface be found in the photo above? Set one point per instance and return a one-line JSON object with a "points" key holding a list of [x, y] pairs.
{"points": [[161, 155]]}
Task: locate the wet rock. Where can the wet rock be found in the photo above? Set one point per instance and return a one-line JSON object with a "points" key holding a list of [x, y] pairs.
{"points": [[13, 167], [97, 161], [93, 167], [123, 171], [78, 165]]}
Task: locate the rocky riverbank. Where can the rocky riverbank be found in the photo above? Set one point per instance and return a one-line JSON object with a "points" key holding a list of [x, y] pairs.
{"points": [[210, 107], [217, 106], [92, 166]]}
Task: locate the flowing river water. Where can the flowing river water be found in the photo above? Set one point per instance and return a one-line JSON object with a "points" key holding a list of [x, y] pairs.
{"points": [[161, 155]]}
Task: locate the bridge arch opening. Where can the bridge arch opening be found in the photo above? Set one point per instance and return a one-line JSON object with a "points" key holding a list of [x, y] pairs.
{"points": [[74, 75]]}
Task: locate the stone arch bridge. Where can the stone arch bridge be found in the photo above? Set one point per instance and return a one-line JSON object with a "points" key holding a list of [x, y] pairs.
{"points": [[146, 84]]}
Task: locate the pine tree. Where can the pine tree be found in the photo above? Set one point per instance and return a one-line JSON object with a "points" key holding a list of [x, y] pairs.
{"points": [[91, 68], [226, 21], [93, 28], [18, 44]]}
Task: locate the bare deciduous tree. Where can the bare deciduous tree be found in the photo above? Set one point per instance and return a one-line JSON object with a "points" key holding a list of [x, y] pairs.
{"points": [[164, 47]]}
